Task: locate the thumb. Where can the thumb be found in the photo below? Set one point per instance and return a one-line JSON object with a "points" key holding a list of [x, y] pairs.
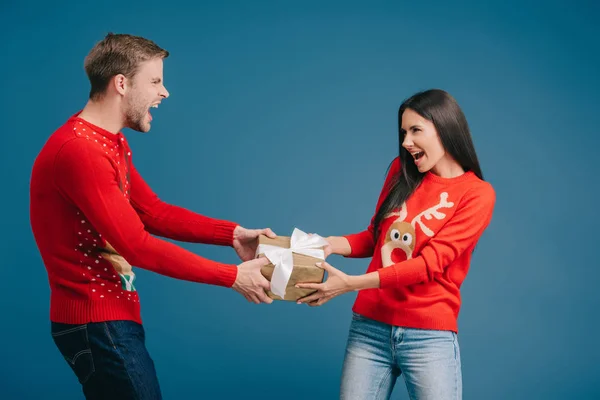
{"points": [[254, 263], [326, 267], [269, 233]]}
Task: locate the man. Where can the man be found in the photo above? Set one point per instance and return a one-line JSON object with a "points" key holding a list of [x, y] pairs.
{"points": [[92, 215]]}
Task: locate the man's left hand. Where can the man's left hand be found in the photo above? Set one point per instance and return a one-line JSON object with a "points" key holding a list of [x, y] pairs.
{"points": [[245, 241]]}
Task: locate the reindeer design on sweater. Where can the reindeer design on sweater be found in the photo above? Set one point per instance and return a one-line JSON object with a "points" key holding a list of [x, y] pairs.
{"points": [[400, 238], [120, 265]]}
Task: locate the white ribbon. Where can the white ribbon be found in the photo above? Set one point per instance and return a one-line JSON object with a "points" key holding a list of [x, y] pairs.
{"points": [[283, 259]]}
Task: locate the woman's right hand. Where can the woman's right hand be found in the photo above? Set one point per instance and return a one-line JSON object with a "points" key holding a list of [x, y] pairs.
{"points": [[337, 245], [327, 248]]}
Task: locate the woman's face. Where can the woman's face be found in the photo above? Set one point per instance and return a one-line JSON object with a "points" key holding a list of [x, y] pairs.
{"points": [[422, 141]]}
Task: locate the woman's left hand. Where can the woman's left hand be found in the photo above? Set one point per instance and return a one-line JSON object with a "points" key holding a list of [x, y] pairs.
{"points": [[337, 283]]}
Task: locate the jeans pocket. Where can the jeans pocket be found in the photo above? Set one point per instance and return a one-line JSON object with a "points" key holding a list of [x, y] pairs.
{"points": [[73, 343]]}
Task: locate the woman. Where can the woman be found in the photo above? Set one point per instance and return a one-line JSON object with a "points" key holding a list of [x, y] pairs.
{"points": [[432, 210]]}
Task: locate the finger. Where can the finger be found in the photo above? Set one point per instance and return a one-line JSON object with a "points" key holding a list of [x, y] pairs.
{"points": [[255, 299], [262, 296], [310, 298], [269, 233], [313, 303], [315, 286], [248, 298], [251, 297], [324, 300], [325, 265], [320, 302], [316, 303], [265, 284]]}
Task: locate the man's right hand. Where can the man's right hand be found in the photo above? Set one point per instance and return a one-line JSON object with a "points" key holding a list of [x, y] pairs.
{"points": [[250, 283]]}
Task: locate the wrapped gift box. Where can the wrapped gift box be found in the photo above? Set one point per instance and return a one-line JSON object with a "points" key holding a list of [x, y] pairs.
{"points": [[304, 270]]}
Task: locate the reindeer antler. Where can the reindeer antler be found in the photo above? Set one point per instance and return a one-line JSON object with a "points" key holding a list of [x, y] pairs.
{"points": [[401, 214], [432, 212]]}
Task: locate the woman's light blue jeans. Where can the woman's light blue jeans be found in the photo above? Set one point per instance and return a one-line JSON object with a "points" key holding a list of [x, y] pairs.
{"points": [[377, 353]]}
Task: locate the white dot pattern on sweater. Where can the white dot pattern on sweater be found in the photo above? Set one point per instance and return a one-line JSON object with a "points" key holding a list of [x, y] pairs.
{"points": [[101, 272]]}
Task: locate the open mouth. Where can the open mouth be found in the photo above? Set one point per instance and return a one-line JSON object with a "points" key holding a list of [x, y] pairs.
{"points": [[152, 106], [418, 155]]}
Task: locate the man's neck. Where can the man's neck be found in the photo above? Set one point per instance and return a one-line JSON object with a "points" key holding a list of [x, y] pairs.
{"points": [[103, 114]]}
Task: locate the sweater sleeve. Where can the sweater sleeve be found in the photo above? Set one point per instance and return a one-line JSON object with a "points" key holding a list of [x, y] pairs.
{"points": [[88, 178], [362, 244], [458, 235], [173, 222]]}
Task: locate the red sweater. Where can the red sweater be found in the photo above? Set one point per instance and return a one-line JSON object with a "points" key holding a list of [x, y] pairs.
{"points": [[87, 200], [423, 251]]}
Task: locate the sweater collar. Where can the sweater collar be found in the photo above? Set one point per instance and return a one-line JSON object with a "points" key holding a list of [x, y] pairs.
{"points": [[430, 176], [109, 136]]}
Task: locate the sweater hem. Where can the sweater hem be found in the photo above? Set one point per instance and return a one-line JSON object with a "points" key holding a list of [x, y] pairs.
{"points": [[75, 311], [406, 317]]}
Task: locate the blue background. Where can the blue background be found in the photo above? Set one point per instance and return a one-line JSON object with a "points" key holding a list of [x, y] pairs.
{"points": [[284, 116]]}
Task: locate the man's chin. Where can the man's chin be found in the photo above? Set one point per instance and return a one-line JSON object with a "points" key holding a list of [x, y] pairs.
{"points": [[143, 127]]}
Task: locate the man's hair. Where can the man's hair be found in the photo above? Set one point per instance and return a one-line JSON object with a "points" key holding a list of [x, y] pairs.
{"points": [[118, 54]]}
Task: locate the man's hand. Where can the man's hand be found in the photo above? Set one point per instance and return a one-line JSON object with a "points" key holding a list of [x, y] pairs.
{"points": [[250, 283], [245, 241]]}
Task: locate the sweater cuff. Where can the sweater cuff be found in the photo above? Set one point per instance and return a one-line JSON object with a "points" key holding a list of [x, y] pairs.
{"points": [[226, 275], [361, 244], [223, 235], [402, 274]]}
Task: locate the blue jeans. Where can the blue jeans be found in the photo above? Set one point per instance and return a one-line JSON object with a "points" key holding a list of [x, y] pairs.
{"points": [[377, 353], [110, 359]]}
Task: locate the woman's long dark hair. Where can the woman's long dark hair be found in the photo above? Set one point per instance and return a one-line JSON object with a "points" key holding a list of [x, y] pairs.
{"points": [[444, 112]]}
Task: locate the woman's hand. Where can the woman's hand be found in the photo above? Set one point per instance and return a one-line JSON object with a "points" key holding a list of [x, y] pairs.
{"points": [[336, 245], [337, 283]]}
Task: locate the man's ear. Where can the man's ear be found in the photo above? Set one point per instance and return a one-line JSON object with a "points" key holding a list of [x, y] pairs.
{"points": [[120, 83]]}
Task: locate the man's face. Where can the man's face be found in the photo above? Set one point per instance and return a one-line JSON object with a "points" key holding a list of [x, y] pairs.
{"points": [[146, 90]]}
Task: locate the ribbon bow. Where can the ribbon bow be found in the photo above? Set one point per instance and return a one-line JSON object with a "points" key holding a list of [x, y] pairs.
{"points": [[283, 259]]}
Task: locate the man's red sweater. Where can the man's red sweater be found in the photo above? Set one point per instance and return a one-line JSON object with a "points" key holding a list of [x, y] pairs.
{"points": [[423, 251], [87, 200]]}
